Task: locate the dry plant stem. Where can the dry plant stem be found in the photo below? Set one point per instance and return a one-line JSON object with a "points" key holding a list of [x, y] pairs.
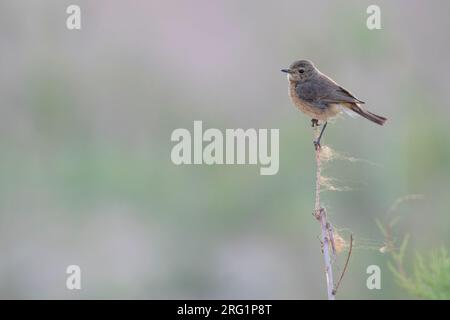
{"points": [[345, 266], [321, 216]]}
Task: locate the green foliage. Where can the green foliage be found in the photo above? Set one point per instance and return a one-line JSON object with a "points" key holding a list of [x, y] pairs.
{"points": [[430, 278], [424, 276]]}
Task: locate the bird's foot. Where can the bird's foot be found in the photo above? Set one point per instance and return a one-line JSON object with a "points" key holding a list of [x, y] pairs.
{"points": [[317, 142], [317, 145], [319, 213], [314, 123]]}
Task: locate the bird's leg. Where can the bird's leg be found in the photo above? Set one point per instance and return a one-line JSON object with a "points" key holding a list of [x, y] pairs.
{"points": [[314, 123], [317, 142]]}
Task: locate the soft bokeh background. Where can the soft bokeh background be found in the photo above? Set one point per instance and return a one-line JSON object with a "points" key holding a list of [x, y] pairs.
{"points": [[86, 117]]}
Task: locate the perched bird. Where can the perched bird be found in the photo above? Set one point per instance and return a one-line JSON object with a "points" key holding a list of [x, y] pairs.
{"points": [[320, 97]]}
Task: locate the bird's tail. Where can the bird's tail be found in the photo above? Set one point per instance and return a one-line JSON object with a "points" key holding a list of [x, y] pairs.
{"points": [[368, 115]]}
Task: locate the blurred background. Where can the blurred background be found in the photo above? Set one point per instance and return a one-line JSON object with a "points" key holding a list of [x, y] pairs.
{"points": [[86, 117]]}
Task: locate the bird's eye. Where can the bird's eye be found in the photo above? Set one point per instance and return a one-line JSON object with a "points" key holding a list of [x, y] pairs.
{"points": [[301, 70]]}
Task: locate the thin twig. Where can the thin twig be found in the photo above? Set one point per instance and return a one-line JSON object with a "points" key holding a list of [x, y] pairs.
{"points": [[345, 266], [321, 216], [330, 232]]}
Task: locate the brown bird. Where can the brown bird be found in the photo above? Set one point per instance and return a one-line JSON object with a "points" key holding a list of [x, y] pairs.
{"points": [[322, 98]]}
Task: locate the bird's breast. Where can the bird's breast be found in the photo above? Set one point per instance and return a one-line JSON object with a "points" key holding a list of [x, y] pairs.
{"points": [[309, 108]]}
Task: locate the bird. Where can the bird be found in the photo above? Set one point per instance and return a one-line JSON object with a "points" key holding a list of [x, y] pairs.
{"points": [[321, 98]]}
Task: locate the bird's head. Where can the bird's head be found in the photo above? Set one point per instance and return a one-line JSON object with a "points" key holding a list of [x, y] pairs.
{"points": [[300, 70]]}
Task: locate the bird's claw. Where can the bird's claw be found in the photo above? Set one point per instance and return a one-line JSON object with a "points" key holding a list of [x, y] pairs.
{"points": [[316, 145]]}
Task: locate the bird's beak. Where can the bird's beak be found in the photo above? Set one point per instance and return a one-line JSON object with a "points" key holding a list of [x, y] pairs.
{"points": [[286, 70]]}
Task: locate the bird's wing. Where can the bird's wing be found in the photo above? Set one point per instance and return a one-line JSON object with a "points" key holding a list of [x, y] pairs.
{"points": [[334, 93], [308, 91], [349, 95], [321, 92], [338, 95]]}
